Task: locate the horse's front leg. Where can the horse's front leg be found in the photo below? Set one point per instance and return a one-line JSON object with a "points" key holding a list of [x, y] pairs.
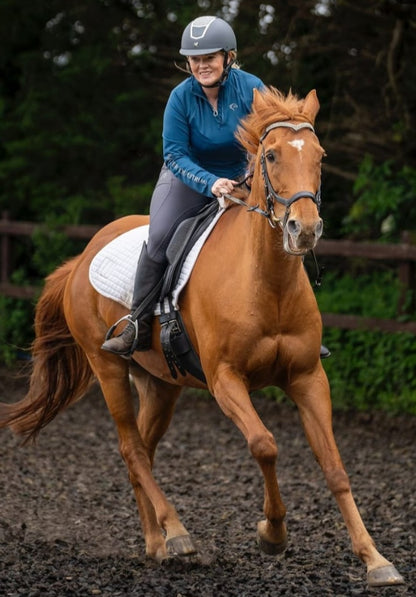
{"points": [[234, 400], [312, 396]]}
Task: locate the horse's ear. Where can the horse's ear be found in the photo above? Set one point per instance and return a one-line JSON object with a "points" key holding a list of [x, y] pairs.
{"points": [[311, 105], [258, 100]]}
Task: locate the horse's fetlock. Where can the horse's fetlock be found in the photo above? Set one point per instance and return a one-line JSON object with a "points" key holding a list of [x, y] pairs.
{"points": [[166, 516], [276, 522], [364, 547]]}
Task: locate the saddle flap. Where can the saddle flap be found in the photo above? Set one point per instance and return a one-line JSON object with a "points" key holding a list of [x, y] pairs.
{"points": [[183, 241]]}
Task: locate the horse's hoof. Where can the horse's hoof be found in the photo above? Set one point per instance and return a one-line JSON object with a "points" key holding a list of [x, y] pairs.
{"points": [[272, 549], [158, 556], [180, 546], [181, 562], [384, 576]]}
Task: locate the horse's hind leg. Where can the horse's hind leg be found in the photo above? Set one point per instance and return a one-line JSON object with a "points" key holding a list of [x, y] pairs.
{"points": [[112, 373], [157, 403], [312, 397]]}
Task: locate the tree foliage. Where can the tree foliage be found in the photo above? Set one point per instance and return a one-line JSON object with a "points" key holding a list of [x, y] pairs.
{"points": [[83, 85]]}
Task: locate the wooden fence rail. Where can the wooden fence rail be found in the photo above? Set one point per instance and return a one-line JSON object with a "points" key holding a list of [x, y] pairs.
{"points": [[404, 254]]}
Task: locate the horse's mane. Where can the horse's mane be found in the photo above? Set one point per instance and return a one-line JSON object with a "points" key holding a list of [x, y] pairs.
{"points": [[270, 106]]}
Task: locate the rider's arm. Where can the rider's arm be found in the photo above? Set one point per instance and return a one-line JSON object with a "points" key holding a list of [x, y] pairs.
{"points": [[177, 150]]}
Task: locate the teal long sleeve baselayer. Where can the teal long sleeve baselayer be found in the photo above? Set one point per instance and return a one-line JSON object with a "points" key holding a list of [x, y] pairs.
{"points": [[199, 145]]}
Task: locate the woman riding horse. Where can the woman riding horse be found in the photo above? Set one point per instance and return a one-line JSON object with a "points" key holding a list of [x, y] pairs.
{"points": [[202, 159]]}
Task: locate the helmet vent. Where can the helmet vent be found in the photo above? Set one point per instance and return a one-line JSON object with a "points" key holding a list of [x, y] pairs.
{"points": [[199, 27]]}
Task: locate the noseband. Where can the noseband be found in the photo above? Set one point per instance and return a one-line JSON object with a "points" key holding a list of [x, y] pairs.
{"points": [[271, 195]]}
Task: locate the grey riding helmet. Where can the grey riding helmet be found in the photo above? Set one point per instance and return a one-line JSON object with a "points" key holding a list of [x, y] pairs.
{"points": [[207, 35]]}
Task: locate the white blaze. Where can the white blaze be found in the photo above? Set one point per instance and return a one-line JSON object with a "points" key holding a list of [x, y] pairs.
{"points": [[297, 143]]}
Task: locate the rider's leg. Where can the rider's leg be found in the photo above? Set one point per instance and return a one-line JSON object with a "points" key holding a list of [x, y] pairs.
{"points": [[325, 352], [137, 335], [172, 202]]}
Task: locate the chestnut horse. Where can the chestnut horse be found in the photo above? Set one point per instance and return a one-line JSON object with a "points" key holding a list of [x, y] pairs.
{"points": [[252, 317]]}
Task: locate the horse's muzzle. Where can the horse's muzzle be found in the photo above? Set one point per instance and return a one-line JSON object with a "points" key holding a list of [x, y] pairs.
{"points": [[299, 237]]}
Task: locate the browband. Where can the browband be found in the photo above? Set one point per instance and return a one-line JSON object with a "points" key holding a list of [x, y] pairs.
{"points": [[287, 125]]}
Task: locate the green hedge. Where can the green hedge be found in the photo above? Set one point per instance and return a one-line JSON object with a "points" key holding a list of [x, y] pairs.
{"points": [[368, 369], [372, 370]]}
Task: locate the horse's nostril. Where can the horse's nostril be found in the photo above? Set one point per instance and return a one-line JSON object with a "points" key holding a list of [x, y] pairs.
{"points": [[319, 228], [293, 227]]}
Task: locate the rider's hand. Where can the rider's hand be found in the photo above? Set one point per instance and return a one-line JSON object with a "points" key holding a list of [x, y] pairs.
{"points": [[223, 186]]}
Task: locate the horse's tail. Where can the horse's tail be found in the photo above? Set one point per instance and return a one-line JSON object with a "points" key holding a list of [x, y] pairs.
{"points": [[60, 374]]}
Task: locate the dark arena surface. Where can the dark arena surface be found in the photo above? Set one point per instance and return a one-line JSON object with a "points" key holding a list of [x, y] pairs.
{"points": [[69, 526]]}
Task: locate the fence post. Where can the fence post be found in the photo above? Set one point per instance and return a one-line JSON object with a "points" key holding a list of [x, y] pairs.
{"points": [[407, 279], [5, 251]]}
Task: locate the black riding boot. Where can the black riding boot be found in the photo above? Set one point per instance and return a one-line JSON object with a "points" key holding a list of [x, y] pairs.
{"points": [[325, 352], [137, 335]]}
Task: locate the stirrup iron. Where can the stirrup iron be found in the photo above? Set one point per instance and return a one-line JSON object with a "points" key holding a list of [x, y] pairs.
{"points": [[129, 319]]}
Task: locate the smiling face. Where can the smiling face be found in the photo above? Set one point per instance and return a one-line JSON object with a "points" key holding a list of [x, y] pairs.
{"points": [[207, 69]]}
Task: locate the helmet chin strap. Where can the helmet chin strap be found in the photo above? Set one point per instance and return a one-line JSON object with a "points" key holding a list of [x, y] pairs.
{"points": [[226, 70]]}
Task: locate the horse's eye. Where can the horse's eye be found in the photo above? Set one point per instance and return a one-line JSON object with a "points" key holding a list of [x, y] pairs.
{"points": [[270, 156]]}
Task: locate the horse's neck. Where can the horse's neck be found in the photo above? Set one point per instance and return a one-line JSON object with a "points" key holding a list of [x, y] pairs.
{"points": [[273, 263], [261, 255], [275, 267]]}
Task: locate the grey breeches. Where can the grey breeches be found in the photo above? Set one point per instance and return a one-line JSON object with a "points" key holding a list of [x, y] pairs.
{"points": [[172, 202]]}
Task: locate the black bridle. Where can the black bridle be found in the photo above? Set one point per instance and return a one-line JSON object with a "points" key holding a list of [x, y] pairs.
{"points": [[271, 195]]}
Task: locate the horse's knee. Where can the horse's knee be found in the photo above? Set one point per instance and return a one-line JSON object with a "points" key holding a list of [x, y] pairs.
{"points": [[136, 458], [338, 481], [263, 448]]}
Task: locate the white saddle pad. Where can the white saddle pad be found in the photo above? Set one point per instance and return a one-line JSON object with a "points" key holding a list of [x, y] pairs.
{"points": [[113, 269]]}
